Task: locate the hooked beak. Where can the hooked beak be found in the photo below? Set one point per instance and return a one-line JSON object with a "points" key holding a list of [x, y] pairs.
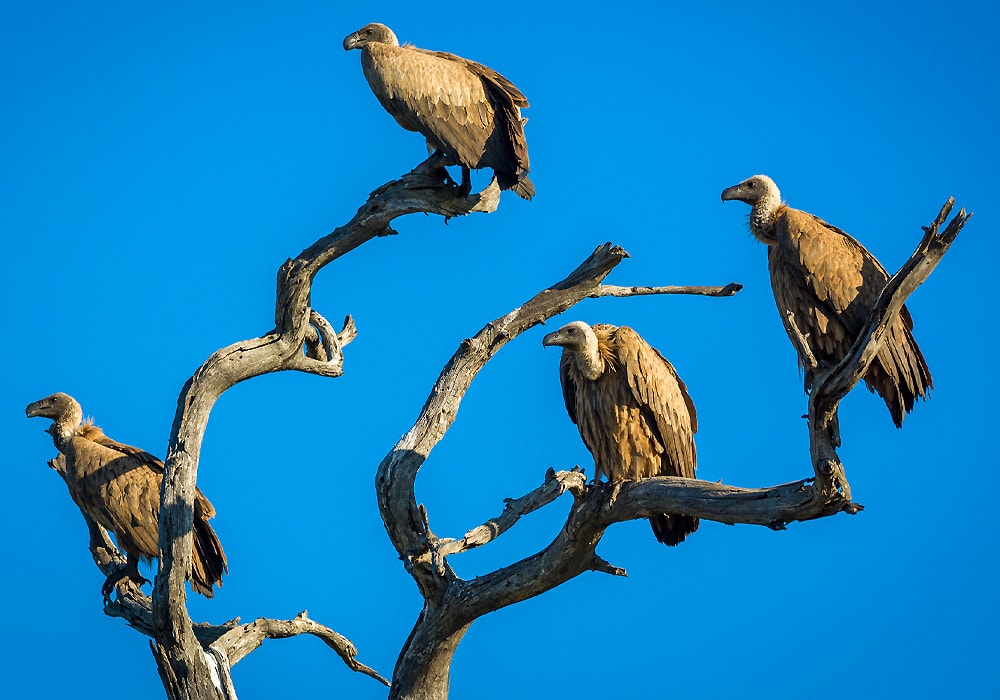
{"points": [[350, 41], [551, 339], [731, 193]]}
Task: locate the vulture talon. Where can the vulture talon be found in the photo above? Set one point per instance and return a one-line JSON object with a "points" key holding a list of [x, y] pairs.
{"points": [[116, 577]]}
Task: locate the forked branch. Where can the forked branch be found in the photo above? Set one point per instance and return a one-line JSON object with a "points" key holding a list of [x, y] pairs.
{"points": [[452, 604], [832, 385], [301, 340]]}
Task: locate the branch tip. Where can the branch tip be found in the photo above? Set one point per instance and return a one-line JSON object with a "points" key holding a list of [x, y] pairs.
{"points": [[601, 565]]}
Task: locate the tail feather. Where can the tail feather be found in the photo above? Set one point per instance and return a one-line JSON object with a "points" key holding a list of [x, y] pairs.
{"points": [[520, 184], [209, 561], [673, 529], [899, 373]]}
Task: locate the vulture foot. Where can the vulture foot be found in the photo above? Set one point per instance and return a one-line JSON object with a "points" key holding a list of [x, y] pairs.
{"points": [[115, 578]]}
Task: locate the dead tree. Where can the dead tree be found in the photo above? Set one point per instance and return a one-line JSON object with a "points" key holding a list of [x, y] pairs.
{"points": [[194, 659]]}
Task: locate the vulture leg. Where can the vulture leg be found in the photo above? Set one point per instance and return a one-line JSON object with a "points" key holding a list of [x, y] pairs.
{"points": [[466, 187], [130, 571]]}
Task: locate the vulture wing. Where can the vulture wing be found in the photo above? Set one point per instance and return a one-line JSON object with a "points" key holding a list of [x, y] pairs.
{"points": [[203, 506], [432, 93], [826, 278], [122, 490], [830, 283], [120, 487], [663, 400], [507, 149]]}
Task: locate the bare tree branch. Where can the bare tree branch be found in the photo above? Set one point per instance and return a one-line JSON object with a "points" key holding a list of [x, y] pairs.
{"points": [[397, 472], [423, 666], [555, 485], [240, 641], [608, 290], [300, 340]]}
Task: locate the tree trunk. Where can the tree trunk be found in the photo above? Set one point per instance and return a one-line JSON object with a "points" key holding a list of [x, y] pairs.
{"points": [[423, 670]]}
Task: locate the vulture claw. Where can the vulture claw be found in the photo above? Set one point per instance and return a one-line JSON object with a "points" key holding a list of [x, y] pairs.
{"points": [[115, 578]]}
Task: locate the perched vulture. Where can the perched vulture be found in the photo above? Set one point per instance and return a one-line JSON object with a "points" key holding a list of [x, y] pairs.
{"points": [[633, 411], [118, 486], [467, 111], [829, 283]]}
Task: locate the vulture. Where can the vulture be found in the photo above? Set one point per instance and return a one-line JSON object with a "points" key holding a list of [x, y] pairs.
{"points": [[467, 111], [633, 411], [118, 486], [828, 282]]}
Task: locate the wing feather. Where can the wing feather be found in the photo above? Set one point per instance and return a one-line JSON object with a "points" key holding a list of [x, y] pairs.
{"points": [[830, 283], [120, 489], [435, 94], [663, 400]]}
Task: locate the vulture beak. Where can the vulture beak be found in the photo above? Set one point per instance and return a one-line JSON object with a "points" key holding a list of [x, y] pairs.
{"points": [[731, 193], [350, 41], [34, 409], [551, 339]]}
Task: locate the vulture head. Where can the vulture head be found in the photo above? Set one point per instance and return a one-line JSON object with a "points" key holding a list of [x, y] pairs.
{"points": [[373, 33], [763, 195], [64, 411], [55, 407], [580, 340], [753, 190]]}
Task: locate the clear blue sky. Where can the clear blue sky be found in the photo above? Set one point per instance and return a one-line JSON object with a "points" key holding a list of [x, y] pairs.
{"points": [[160, 163]]}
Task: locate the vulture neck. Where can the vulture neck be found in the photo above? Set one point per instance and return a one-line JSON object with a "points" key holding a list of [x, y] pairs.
{"points": [[66, 426], [762, 215], [589, 359]]}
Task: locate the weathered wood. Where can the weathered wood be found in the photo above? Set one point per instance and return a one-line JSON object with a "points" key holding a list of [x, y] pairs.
{"points": [[179, 656]]}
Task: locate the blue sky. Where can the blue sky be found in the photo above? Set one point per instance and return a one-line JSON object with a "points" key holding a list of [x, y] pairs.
{"points": [[160, 163]]}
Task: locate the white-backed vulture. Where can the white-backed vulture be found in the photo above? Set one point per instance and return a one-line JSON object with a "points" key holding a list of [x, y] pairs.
{"points": [[467, 111], [118, 486], [633, 411], [829, 283]]}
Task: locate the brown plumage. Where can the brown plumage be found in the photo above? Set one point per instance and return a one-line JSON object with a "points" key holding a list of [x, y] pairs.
{"points": [[118, 486], [830, 283], [633, 411], [467, 111]]}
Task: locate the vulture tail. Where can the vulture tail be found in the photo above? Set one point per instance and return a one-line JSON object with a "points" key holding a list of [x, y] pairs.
{"points": [[672, 529], [209, 562], [899, 373], [521, 184]]}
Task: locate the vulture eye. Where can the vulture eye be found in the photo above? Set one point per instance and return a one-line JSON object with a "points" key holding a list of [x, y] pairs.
{"points": [[751, 185]]}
